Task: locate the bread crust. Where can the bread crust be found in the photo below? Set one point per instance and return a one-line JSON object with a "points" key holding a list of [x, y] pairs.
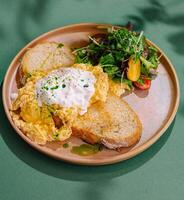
{"points": [[86, 135]]}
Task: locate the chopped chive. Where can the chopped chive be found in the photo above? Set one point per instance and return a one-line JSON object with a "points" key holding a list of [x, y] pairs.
{"points": [[28, 75], [56, 135], [54, 88], [45, 87], [66, 145], [60, 45], [86, 85]]}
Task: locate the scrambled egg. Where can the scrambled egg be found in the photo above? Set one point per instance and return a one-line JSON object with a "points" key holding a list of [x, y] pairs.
{"points": [[103, 84], [117, 88], [37, 121]]}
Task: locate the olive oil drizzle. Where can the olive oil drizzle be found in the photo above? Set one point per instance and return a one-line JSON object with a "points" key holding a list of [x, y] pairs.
{"points": [[86, 149]]}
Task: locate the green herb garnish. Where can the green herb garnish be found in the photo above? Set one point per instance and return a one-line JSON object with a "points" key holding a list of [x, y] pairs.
{"points": [[45, 88], [28, 75], [50, 109], [63, 85], [140, 81], [60, 45], [55, 136], [86, 85], [66, 145], [55, 87]]}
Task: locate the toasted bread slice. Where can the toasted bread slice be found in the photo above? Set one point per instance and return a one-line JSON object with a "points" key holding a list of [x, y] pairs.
{"points": [[46, 56], [112, 123]]}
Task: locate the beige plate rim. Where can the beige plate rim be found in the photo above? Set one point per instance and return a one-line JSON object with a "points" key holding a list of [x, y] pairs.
{"points": [[77, 160]]}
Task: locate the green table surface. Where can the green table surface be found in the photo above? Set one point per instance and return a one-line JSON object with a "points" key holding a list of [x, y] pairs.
{"points": [[157, 173]]}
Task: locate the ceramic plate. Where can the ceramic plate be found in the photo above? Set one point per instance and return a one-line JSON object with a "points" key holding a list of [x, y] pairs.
{"points": [[156, 108]]}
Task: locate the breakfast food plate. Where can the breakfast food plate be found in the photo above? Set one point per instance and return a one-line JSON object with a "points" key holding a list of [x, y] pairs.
{"points": [[146, 116]]}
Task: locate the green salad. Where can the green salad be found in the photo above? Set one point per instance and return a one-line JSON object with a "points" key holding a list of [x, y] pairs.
{"points": [[123, 54]]}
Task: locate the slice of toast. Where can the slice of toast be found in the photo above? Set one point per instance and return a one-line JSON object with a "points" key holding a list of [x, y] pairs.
{"points": [[46, 56], [112, 123]]}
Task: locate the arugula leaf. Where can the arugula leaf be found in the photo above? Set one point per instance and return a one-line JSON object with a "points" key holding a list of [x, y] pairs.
{"points": [[140, 81], [111, 70], [152, 57], [147, 63], [123, 80], [107, 60], [82, 57], [128, 82], [118, 55]]}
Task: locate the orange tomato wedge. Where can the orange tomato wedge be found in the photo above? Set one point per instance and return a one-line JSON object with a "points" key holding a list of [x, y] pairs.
{"points": [[134, 69]]}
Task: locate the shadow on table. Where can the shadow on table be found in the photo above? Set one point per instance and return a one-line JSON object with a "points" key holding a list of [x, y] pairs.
{"points": [[156, 12], [67, 171], [30, 10]]}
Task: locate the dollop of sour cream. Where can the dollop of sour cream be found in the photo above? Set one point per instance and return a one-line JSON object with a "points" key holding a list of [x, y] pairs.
{"points": [[67, 87]]}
